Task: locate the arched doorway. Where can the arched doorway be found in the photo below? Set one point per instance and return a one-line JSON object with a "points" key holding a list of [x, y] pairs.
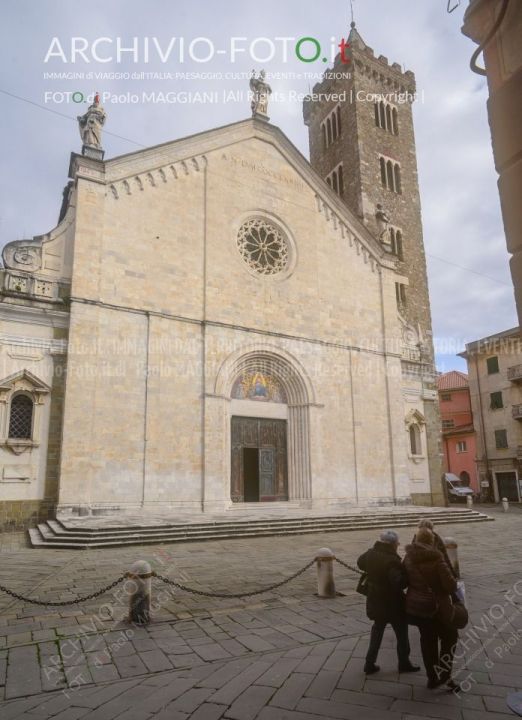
{"points": [[464, 476], [269, 427]]}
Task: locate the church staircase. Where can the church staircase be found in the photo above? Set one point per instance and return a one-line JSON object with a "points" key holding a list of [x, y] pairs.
{"points": [[122, 531]]}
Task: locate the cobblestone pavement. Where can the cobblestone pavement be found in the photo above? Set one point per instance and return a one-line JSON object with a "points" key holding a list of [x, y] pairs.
{"points": [[282, 655]]}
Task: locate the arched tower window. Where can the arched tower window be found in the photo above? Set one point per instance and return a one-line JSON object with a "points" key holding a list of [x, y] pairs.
{"points": [[21, 417], [415, 440], [382, 115], [396, 242], [395, 122], [388, 118], [335, 179], [331, 127], [389, 175], [334, 126], [383, 171], [398, 245], [392, 241], [397, 179]]}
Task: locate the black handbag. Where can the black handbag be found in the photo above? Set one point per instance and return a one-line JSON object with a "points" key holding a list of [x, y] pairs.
{"points": [[459, 615], [363, 585]]}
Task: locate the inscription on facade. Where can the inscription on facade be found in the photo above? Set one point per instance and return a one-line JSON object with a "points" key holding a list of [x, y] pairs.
{"points": [[263, 170]]}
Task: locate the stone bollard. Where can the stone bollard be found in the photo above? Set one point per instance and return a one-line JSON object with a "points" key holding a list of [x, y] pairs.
{"points": [[140, 574], [469, 500], [505, 504], [325, 573], [453, 553]]}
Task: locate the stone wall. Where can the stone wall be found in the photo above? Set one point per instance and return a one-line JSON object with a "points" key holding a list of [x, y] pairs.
{"points": [[18, 515]]}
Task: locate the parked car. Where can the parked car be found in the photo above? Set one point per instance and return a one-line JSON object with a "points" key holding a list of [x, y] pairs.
{"points": [[456, 489]]}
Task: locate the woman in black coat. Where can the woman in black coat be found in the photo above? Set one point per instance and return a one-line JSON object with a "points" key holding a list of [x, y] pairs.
{"points": [[385, 600], [438, 542]]}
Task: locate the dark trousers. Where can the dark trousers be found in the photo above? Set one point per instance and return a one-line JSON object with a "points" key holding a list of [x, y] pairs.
{"points": [[438, 644], [400, 628]]}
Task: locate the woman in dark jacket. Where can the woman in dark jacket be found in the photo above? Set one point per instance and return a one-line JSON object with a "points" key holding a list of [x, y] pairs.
{"points": [[429, 606], [438, 542], [385, 600]]}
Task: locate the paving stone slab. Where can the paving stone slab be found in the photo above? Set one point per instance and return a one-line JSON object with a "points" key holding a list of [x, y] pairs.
{"points": [[329, 709], [292, 690], [250, 703], [233, 688], [207, 711], [23, 672]]}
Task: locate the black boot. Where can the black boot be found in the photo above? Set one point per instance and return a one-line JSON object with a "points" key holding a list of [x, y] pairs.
{"points": [[409, 668], [435, 682], [370, 669]]}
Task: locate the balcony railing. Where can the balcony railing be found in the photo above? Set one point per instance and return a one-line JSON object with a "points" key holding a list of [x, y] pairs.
{"points": [[517, 412], [514, 373]]}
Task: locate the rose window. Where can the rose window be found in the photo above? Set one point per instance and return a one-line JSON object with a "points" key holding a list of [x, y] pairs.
{"points": [[263, 246]]}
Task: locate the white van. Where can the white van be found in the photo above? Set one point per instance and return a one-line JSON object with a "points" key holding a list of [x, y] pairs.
{"points": [[456, 488]]}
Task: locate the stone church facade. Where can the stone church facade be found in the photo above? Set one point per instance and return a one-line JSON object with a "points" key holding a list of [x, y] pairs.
{"points": [[216, 322]]}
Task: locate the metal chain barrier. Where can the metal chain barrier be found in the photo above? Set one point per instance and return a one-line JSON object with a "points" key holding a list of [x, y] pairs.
{"points": [[350, 567], [193, 591], [168, 581], [62, 603]]}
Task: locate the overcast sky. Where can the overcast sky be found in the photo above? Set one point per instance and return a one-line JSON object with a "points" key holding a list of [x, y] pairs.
{"points": [[471, 293]]}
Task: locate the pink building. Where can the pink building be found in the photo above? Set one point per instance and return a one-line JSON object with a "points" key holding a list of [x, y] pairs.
{"points": [[458, 434]]}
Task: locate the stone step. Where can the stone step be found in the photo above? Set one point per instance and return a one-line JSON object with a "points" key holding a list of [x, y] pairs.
{"points": [[45, 536], [62, 527], [270, 507], [259, 525]]}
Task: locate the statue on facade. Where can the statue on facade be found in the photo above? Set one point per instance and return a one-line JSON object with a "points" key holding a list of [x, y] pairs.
{"points": [[260, 93], [383, 222], [90, 125]]}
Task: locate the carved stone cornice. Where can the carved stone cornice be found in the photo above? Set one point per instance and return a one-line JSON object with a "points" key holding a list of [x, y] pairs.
{"points": [[33, 315]]}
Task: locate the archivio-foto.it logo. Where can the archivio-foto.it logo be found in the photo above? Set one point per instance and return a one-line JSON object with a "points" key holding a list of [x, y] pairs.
{"points": [[199, 50]]}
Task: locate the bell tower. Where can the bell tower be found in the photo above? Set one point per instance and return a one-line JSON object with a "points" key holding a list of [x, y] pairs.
{"points": [[362, 143]]}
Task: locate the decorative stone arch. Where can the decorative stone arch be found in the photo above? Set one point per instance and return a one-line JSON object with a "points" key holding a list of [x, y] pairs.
{"points": [[27, 384], [415, 417], [299, 396]]}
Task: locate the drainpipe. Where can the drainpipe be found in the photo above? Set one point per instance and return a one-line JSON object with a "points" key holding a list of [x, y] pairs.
{"points": [[204, 339], [354, 432], [486, 457], [145, 413]]}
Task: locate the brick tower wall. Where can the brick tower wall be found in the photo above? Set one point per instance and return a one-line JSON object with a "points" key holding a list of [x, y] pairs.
{"points": [[358, 147]]}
